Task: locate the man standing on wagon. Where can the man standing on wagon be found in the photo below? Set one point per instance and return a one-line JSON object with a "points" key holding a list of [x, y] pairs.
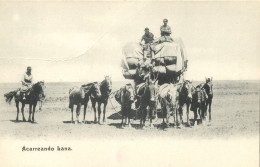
{"points": [[148, 38]]}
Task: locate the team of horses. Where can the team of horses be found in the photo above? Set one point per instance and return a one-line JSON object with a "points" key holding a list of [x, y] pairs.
{"points": [[171, 97], [146, 97]]}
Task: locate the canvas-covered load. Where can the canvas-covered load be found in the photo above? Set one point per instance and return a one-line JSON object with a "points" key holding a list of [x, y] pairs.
{"points": [[169, 58]]}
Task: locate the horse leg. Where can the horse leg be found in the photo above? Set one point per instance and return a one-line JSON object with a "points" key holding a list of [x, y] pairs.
{"points": [[99, 112], [206, 108], [22, 109], [34, 106], [187, 113], [17, 107], [104, 111], [77, 113], [94, 108], [180, 114], [30, 112], [151, 114], [195, 117], [128, 115], [144, 115], [167, 115], [72, 106], [84, 116], [209, 111], [201, 113], [122, 111]]}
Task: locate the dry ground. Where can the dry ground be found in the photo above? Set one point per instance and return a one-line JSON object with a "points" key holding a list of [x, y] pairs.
{"points": [[235, 112]]}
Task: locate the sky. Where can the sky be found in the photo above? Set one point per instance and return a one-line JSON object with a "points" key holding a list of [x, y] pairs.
{"points": [[82, 41]]}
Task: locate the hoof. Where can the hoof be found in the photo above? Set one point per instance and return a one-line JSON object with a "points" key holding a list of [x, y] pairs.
{"points": [[76, 122], [130, 126]]}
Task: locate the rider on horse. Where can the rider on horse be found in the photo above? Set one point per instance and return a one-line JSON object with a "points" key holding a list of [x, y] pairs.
{"points": [[27, 82]]}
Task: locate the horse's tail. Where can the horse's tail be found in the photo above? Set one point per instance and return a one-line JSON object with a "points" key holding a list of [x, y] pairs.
{"points": [[9, 96]]}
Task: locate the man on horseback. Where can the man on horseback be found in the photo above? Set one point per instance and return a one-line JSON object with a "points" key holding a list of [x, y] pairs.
{"points": [[27, 82]]}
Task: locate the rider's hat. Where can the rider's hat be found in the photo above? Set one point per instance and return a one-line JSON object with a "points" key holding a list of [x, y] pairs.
{"points": [[208, 80], [146, 29], [29, 67], [165, 20]]}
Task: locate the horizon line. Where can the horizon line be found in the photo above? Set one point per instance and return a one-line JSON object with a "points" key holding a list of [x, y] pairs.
{"points": [[132, 80]]}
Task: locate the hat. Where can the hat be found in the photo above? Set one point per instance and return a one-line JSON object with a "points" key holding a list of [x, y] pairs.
{"points": [[165, 20], [208, 80], [29, 67], [146, 28]]}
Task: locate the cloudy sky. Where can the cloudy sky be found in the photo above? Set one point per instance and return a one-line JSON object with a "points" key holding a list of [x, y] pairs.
{"points": [[82, 41]]}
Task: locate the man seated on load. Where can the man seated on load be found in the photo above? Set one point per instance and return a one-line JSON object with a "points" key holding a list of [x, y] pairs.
{"points": [[165, 32], [148, 38]]}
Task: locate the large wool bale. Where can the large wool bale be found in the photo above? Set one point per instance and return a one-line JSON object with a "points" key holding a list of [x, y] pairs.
{"points": [[171, 55], [132, 62], [129, 74], [160, 69]]}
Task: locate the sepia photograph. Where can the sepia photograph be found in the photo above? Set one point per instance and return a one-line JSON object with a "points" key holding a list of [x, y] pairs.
{"points": [[127, 83]]}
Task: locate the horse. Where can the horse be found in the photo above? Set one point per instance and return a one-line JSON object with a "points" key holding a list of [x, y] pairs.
{"points": [[125, 97], [198, 104], [208, 86], [35, 93], [80, 96], [105, 88], [147, 94], [185, 98]]}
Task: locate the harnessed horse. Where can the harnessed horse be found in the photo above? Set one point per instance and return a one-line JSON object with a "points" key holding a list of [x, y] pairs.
{"points": [[105, 88], [125, 97], [185, 98], [147, 93], [80, 96], [168, 97]]}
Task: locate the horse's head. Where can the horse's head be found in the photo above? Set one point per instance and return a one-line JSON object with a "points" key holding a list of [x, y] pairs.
{"points": [[39, 88], [130, 92], [95, 90], [106, 85], [153, 90], [188, 87], [172, 93], [209, 82]]}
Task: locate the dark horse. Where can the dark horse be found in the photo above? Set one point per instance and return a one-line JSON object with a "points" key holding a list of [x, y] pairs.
{"points": [[147, 94], [208, 88], [125, 97], [198, 105], [36, 92], [185, 98], [105, 88], [80, 96]]}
